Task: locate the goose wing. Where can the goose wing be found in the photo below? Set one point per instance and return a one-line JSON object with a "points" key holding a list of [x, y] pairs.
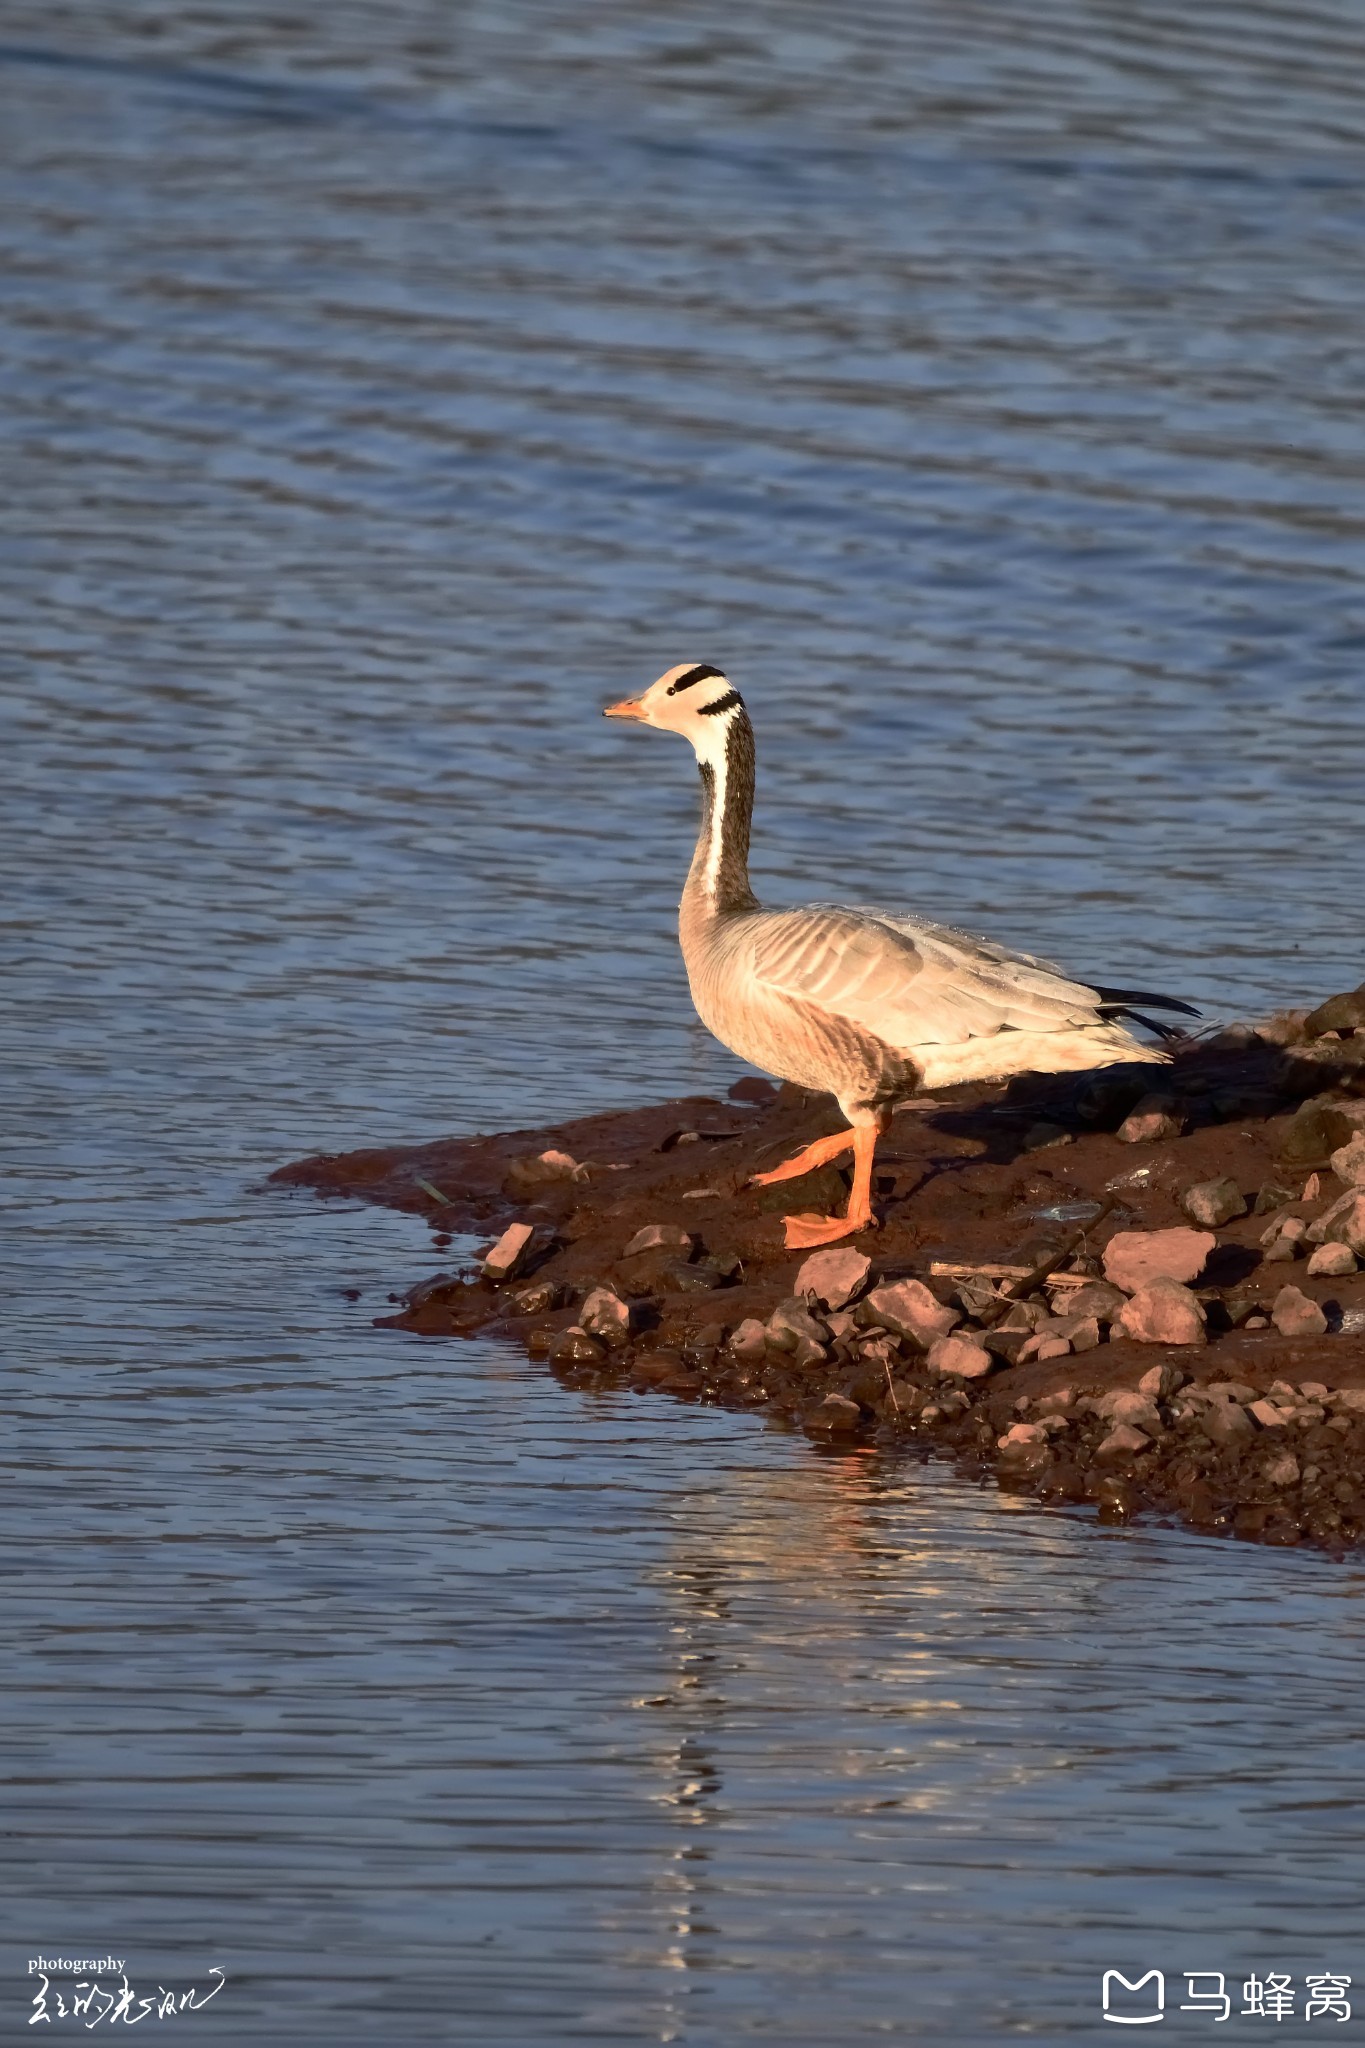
{"points": [[909, 982]]}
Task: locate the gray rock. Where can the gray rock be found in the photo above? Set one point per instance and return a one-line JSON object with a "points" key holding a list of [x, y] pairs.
{"points": [[794, 1331], [1294, 1315], [1121, 1443], [960, 1358], [1348, 1161], [575, 1347], [837, 1413], [1098, 1298], [538, 1297], [1159, 1382], [1272, 1196], [908, 1308], [835, 1277], [1127, 1406], [1315, 1131], [749, 1340], [1281, 1469], [1041, 1137], [1213, 1202], [1225, 1422], [1027, 1316]]}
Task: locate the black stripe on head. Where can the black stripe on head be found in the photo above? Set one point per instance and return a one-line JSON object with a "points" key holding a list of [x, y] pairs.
{"points": [[725, 703], [698, 674]]}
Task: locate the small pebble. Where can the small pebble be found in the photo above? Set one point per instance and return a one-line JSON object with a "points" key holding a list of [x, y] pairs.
{"points": [[656, 1237], [1213, 1202]]}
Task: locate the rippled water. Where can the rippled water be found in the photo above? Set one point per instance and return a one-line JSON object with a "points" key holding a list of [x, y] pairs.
{"points": [[384, 389]]}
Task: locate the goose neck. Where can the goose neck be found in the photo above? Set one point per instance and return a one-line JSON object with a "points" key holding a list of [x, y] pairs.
{"points": [[718, 881]]}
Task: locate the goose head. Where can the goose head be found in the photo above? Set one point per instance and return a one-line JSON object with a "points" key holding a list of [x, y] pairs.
{"points": [[692, 699]]}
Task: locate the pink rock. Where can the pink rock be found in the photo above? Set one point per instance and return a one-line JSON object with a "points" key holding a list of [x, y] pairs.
{"points": [[1159, 1382], [1348, 1224], [1332, 1261], [605, 1315], [1294, 1315], [509, 1251], [749, 1340], [1348, 1162], [1135, 1257], [960, 1359], [1164, 1312], [908, 1308], [1024, 1433], [659, 1237], [1153, 1121], [1268, 1413], [834, 1277], [1282, 1469], [1053, 1347]]}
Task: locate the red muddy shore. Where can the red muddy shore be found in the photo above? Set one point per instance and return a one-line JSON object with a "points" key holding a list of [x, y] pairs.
{"points": [[1254, 1424]]}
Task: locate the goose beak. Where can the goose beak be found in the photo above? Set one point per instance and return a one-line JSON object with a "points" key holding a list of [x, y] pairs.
{"points": [[629, 707]]}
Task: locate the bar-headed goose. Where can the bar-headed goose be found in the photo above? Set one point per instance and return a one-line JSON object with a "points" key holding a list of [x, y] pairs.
{"points": [[871, 1005]]}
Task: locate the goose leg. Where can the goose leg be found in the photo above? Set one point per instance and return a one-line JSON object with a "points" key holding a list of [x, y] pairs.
{"points": [[818, 1154], [804, 1231]]}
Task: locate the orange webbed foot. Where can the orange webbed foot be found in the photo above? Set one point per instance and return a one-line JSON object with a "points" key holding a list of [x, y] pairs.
{"points": [[805, 1231], [818, 1154]]}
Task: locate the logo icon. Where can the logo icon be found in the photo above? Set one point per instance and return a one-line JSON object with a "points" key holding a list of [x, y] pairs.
{"points": [[1156, 1997]]}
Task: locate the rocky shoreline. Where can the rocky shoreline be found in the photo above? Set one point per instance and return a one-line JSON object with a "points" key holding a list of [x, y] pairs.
{"points": [[1147, 1297]]}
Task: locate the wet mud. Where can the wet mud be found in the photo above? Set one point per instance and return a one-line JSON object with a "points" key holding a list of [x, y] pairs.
{"points": [[645, 1257]]}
